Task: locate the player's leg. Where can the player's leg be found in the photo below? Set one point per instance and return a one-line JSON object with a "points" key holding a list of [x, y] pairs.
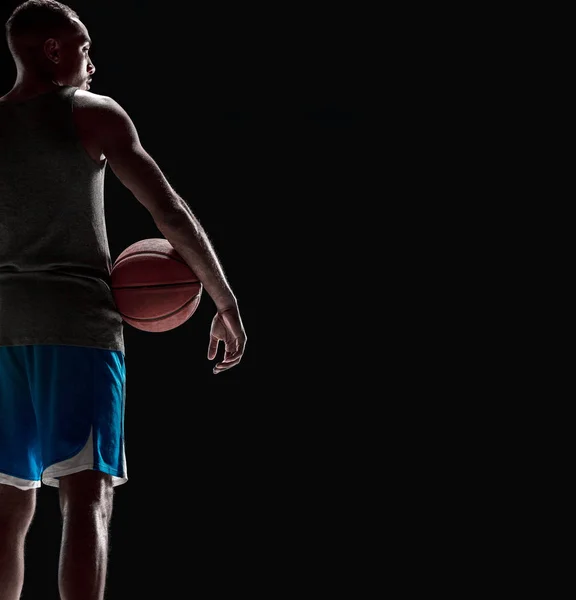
{"points": [[17, 509], [20, 466], [86, 500], [79, 401], [86, 496]]}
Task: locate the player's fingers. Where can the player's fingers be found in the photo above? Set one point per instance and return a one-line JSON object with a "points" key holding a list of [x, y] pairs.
{"points": [[230, 360], [212, 347], [233, 346], [225, 365]]}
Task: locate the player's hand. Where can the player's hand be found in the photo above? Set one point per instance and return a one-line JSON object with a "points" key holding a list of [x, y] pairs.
{"points": [[227, 327]]}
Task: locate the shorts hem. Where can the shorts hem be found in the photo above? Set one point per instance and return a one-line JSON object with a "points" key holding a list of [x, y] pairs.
{"points": [[22, 483], [52, 478]]}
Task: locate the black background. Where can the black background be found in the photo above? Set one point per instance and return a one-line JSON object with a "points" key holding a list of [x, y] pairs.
{"points": [[250, 112]]}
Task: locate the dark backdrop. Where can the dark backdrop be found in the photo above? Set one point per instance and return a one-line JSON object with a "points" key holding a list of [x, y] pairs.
{"points": [[250, 114]]}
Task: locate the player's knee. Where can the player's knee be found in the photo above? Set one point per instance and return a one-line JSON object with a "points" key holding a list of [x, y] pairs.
{"points": [[16, 506], [87, 490]]}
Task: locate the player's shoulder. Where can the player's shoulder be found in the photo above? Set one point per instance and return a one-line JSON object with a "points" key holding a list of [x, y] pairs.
{"points": [[93, 102], [97, 109]]}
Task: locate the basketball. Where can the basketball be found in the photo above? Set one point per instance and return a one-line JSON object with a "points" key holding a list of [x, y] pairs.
{"points": [[154, 288]]}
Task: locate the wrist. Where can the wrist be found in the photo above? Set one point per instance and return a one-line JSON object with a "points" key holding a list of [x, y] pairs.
{"points": [[225, 304]]}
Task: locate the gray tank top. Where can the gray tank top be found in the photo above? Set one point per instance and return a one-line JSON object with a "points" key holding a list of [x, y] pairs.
{"points": [[55, 263]]}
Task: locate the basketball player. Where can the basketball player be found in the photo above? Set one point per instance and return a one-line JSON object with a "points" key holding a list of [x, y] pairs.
{"points": [[62, 370]]}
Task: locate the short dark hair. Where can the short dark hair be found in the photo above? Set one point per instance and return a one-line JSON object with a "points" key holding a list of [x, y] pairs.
{"points": [[41, 19]]}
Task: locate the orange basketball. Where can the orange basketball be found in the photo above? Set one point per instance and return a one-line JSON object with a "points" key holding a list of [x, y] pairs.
{"points": [[154, 288]]}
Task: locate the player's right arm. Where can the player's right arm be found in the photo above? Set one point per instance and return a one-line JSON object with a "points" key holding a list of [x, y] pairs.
{"points": [[116, 135]]}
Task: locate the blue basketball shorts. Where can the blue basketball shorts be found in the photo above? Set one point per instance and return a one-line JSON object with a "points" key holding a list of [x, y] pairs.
{"points": [[61, 411]]}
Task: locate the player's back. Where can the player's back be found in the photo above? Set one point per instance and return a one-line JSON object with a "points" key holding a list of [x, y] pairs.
{"points": [[54, 257]]}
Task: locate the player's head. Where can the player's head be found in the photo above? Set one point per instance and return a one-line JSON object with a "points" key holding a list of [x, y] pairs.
{"points": [[49, 43]]}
